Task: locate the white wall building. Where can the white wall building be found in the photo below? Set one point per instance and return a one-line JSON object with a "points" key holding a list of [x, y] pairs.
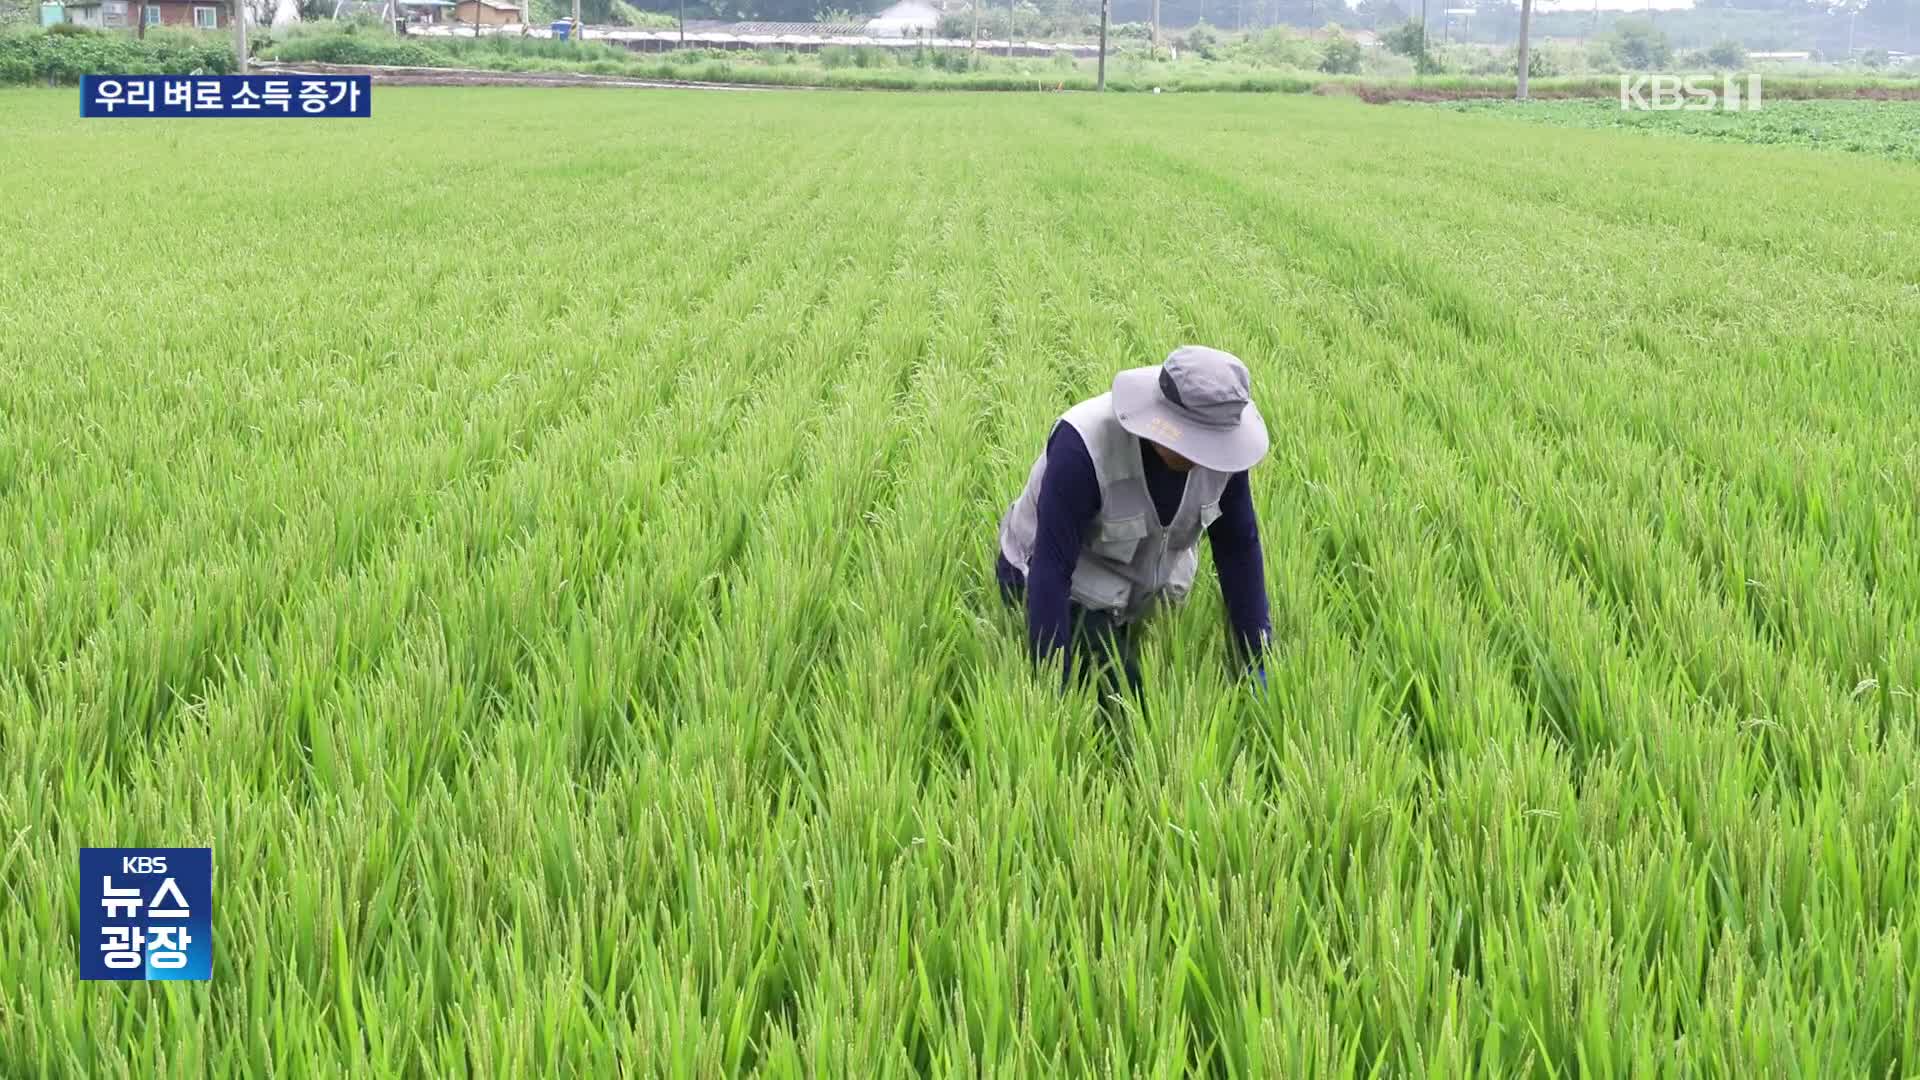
{"points": [[908, 18]]}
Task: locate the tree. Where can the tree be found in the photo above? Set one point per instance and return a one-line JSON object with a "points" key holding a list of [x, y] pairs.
{"points": [[1408, 39], [1342, 56], [1728, 54], [313, 10], [1202, 41], [1638, 45], [1380, 13], [261, 12]]}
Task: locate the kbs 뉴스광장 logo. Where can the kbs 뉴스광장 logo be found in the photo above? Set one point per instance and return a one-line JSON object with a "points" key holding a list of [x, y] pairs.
{"points": [[146, 913]]}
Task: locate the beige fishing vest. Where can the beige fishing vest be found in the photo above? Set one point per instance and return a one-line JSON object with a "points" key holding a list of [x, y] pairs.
{"points": [[1128, 561]]}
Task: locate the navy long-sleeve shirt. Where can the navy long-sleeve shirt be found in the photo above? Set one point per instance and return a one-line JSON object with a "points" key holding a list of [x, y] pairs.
{"points": [[1069, 499]]}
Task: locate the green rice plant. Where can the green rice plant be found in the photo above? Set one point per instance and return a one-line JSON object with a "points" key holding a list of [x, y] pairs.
{"points": [[561, 589]]}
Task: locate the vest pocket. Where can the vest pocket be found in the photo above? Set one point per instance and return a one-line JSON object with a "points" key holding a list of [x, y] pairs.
{"points": [[1209, 513], [1185, 533], [1098, 588], [1118, 538]]}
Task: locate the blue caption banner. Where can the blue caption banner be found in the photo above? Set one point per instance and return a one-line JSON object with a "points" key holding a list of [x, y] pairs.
{"points": [[146, 913], [103, 96]]}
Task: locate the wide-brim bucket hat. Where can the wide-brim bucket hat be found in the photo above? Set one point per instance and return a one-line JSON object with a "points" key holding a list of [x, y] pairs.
{"points": [[1198, 404]]}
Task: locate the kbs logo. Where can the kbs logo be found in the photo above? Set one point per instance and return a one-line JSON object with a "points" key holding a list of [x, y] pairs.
{"points": [[1694, 93], [146, 913]]}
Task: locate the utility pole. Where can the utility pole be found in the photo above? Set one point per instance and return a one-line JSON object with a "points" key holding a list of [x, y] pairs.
{"points": [[1153, 34], [1420, 62], [239, 35], [1525, 58], [1009, 29], [575, 28], [974, 45], [683, 23], [1106, 6]]}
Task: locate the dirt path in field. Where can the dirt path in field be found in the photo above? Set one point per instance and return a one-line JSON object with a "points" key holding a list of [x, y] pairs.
{"points": [[436, 76], [1373, 93]]}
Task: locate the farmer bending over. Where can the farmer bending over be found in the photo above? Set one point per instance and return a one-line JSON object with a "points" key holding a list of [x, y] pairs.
{"points": [[1113, 510]]}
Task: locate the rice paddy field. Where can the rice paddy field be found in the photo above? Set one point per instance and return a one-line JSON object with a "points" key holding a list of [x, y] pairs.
{"points": [[542, 541]]}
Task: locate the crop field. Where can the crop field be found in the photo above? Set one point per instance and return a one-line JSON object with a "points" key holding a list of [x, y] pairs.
{"points": [[542, 541], [1889, 129]]}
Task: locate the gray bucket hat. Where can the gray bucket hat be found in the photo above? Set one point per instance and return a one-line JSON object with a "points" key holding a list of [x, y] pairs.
{"points": [[1198, 404]]}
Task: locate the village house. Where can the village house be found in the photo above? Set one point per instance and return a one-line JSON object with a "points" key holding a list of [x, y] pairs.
{"points": [[908, 18], [487, 13], [107, 14]]}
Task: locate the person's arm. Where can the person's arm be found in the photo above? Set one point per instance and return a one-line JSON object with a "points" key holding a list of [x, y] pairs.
{"points": [[1235, 536], [1069, 499]]}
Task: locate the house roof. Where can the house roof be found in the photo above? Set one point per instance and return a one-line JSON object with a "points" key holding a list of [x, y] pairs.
{"points": [[777, 28], [497, 5]]}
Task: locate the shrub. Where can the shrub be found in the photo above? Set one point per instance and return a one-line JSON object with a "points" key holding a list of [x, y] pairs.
{"points": [[1279, 47], [1202, 40], [1408, 39], [1540, 64], [949, 60], [349, 47], [1640, 45], [623, 13], [1728, 54], [63, 55], [1342, 56]]}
